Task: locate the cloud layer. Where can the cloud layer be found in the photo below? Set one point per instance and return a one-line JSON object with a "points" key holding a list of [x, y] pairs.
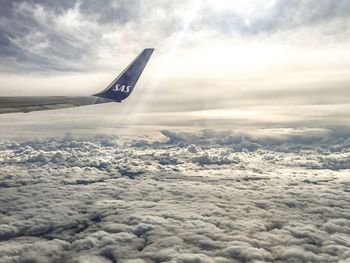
{"points": [[82, 35], [189, 197]]}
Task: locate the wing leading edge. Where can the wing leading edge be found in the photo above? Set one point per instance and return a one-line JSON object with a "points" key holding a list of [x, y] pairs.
{"points": [[117, 91]]}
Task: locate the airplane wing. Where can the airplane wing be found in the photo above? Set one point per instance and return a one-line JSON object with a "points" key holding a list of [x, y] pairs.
{"points": [[28, 104], [120, 88]]}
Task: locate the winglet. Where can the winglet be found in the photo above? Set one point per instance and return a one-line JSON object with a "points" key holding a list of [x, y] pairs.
{"points": [[123, 85]]}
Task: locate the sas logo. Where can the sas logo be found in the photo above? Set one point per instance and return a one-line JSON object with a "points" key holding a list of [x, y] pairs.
{"points": [[122, 88]]}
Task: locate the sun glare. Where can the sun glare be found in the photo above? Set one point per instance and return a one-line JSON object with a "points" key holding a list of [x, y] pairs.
{"points": [[165, 62], [246, 8]]}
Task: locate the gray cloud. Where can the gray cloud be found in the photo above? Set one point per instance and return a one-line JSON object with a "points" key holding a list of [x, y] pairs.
{"points": [[189, 197], [72, 36], [278, 16], [75, 36]]}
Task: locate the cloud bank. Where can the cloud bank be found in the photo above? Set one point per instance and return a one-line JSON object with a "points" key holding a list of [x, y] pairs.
{"points": [[186, 197]]}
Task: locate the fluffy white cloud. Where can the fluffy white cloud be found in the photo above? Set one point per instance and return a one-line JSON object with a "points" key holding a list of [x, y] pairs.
{"points": [[192, 198]]}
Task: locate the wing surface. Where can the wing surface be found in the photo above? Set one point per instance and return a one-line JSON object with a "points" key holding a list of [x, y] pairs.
{"points": [[28, 103]]}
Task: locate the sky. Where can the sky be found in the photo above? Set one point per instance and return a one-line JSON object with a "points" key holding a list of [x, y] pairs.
{"points": [[234, 65]]}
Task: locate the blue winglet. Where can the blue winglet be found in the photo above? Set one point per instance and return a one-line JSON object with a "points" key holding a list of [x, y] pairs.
{"points": [[123, 85]]}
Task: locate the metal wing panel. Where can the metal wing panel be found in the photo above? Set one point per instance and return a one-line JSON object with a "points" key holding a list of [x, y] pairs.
{"points": [[28, 104]]}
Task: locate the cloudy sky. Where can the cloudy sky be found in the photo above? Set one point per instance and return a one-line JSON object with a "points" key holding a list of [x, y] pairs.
{"points": [[248, 64], [234, 146]]}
